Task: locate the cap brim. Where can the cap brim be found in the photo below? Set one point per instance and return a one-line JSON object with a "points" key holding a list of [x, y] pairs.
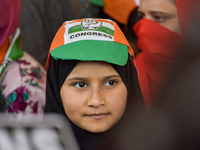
{"points": [[93, 50]]}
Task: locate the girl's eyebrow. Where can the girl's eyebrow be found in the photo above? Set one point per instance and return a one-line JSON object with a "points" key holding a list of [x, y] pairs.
{"points": [[112, 76], [77, 78], [86, 79]]}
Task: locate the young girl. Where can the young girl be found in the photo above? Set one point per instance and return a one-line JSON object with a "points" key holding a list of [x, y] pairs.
{"points": [[92, 81]]}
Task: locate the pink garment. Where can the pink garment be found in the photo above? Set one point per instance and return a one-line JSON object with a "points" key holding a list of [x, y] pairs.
{"points": [[23, 87], [9, 18], [22, 78]]}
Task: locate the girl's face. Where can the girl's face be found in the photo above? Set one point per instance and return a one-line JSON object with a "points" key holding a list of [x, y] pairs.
{"points": [[94, 96], [163, 12]]}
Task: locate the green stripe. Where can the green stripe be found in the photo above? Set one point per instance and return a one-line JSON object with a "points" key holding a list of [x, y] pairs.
{"points": [[92, 50], [79, 28], [16, 51], [98, 2], [74, 29], [106, 30]]}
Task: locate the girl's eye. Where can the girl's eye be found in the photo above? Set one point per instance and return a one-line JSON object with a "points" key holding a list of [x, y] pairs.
{"points": [[110, 83], [80, 85]]}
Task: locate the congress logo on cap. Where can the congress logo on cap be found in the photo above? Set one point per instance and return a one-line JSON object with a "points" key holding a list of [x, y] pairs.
{"points": [[90, 24], [90, 40], [89, 29]]}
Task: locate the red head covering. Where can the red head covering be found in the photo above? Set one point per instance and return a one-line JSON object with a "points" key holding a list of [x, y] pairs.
{"points": [[9, 18], [159, 48]]}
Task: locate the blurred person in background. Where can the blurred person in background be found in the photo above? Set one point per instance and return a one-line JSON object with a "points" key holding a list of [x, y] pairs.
{"points": [[22, 78], [179, 99], [129, 32], [118, 10], [173, 121], [39, 21], [159, 33]]}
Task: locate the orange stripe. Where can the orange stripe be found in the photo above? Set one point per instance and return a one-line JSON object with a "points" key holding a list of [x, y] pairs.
{"points": [[119, 9], [57, 41], [119, 37], [4, 49]]}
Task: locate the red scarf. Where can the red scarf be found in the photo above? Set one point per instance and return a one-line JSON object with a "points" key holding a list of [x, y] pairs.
{"points": [[159, 47]]}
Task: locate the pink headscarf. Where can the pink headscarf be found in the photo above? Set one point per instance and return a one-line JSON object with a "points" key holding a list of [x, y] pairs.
{"points": [[9, 18]]}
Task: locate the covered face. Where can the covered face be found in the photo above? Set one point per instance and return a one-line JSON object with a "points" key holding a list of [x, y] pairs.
{"points": [[159, 35], [163, 12]]}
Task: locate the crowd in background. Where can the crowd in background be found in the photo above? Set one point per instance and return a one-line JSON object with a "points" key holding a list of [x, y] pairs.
{"points": [[166, 59]]}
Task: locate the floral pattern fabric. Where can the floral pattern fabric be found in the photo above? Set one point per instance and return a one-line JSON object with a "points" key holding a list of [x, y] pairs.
{"points": [[23, 87]]}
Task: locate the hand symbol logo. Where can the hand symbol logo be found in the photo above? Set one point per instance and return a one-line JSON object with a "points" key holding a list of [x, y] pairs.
{"points": [[90, 24]]}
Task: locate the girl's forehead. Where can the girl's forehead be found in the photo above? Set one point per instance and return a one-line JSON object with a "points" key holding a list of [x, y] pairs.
{"points": [[93, 67], [92, 64]]}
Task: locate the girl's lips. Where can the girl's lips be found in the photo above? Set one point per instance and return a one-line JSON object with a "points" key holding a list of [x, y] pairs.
{"points": [[97, 116]]}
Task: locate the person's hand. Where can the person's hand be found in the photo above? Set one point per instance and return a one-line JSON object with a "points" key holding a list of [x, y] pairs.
{"points": [[90, 24]]}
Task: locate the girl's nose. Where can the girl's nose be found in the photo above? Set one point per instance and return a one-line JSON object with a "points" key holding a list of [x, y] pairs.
{"points": [[96, 98]]}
